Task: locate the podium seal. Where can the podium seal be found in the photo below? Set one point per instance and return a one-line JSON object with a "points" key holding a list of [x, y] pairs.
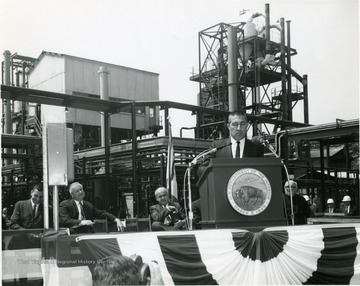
{"points": [[248, 191]]}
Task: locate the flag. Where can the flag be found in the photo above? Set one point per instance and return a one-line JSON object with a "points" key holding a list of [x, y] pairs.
{"points": [[171, 183], [289, 255]]}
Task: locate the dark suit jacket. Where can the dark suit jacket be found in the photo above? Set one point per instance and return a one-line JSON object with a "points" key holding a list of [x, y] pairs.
{"points": [[158, 213], [22, 217], [250, 149], [69, 214], [334, 211], [352, 212]]}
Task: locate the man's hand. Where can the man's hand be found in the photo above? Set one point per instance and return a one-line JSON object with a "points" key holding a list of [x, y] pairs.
{"points": [[86, 222], [119, 225], [179, 224]]}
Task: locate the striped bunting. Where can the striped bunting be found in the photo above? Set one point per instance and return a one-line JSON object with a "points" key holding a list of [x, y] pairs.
{"points": [[310, 254]]}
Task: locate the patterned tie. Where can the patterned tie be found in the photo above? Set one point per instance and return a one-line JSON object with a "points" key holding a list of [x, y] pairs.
{"points": [[237, 153], [82, 211]]}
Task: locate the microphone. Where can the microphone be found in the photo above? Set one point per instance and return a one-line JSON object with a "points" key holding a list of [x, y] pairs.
{"points": [[207, 152], [258, 140]]}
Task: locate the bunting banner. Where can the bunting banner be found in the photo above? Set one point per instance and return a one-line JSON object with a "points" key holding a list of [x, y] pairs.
{"points": [[290, 255], [171, 183]]}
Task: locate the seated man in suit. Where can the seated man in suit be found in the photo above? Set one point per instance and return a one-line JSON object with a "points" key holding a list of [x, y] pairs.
{"points": [[346, 207], [330, 206], [79, 215], [166, 215], [301, 208], [29, 213]]}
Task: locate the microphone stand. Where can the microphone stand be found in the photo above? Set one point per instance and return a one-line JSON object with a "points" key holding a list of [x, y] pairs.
{"points": [[267, 144], [188, 174]]}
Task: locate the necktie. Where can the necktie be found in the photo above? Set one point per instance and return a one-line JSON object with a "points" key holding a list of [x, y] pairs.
{"points": [[82, 211], [237, 153], [34, 211]]}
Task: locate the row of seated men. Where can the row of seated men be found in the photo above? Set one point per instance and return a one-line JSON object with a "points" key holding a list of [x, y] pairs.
{"points": [[80, 215], [76, 213]]}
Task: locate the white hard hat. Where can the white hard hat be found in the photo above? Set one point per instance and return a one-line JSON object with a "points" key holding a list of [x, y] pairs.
{"points": [[306, 197], [346, 199], [330, 201]]}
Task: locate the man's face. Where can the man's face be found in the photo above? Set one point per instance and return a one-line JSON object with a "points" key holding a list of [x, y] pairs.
{"points": [[78, 193], [162, 197], [294, 189], [36, 196], [237, 126], [331, 206]]}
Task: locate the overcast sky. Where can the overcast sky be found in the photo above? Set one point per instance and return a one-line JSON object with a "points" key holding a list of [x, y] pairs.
{"points": [[162, 36]]}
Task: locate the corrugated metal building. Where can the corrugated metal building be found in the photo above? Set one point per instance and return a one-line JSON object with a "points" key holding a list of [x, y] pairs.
{"points": [[78, 76]]}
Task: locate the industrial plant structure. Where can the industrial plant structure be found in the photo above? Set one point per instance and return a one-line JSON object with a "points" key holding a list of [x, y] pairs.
{"points": [[241, 66]]}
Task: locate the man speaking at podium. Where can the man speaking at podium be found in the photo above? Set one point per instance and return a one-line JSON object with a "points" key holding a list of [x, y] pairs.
{"points": [[237, 146]]}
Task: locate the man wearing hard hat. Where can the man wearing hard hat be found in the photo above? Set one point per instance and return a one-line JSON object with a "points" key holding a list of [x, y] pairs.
{"points": [[330, 207], [346, 207]]}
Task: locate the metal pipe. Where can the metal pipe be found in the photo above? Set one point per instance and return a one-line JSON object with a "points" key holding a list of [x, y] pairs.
{"points": [[134, 151], [56, 207], [105, 131], [104, 94], [232, 68], [45, 171], [306, 99], [166, 121], [283, 72], [108, 194], [267, 28], [7, 103], [288, 59]]}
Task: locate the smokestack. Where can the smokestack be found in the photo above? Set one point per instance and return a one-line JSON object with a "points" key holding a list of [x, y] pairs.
{"points": [[104, 94]]}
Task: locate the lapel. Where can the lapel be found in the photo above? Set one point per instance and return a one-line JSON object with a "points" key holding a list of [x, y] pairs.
{"points": [[246, 149], [228, 149], [74, 207], [29, 207]]}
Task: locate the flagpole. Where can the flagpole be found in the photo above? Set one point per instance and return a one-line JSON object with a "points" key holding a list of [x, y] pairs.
{"points": [[168, 179], [191, 215]]}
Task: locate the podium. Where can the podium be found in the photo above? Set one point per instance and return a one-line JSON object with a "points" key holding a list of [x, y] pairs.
{"points": [[245, 193]]}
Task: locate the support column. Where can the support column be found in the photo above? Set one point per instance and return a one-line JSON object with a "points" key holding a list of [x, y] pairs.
{"points": [[232, 68], [7, 102]]}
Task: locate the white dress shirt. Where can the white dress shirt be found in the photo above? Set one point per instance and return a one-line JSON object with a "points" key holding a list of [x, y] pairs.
{"points": [[233, 147]]}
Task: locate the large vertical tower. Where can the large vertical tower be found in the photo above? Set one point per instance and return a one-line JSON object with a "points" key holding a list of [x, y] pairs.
{"points": [[258, 56]]}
